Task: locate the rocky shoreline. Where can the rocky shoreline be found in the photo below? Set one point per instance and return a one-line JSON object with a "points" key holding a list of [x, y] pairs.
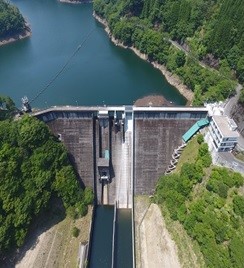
{"points": [[7, 40], [75, 1], [172, 79]]}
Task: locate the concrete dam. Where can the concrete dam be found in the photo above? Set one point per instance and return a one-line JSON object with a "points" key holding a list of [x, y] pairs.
{"points": [[120, 151]]}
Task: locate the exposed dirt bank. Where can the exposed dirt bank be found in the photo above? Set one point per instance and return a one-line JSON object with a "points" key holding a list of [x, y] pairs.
{"points": [[56, 247], [153, 100], [7, 40], [237, 113], [154, 246], [174, 80], [50, 242]]}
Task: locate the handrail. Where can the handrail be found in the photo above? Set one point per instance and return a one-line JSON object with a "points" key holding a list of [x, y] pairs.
{"points": [[114, 233]]}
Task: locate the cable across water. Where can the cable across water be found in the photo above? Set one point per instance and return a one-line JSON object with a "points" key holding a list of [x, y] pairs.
{"points": [[63, 68]]}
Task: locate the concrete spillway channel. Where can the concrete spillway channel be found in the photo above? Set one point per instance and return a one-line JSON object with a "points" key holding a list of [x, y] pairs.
{"points": [[111, 245], [113, 248]]}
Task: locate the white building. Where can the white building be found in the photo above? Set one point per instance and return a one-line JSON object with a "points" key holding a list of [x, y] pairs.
{"points": [[223, 133]]}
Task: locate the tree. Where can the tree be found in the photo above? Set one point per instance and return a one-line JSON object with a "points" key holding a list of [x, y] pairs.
{"points": [[238, 205], [200, 139], [11, 21], [237, 251], [32, 132], [75, 231], [34, 167], [240, 69]]}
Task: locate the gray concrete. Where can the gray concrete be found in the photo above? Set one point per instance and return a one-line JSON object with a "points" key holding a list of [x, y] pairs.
{"points": [[226, 159], [150, 139], [77, 136], [155, 141]]}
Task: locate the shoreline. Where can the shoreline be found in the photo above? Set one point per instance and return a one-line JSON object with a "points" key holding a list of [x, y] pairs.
{"points": [[172, 79], [75, 1], [24, 34]]}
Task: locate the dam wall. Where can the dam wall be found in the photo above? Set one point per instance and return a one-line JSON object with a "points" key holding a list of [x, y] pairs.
{"points": [[135, 142], [78, 137], [157, 134], [86, 138]]}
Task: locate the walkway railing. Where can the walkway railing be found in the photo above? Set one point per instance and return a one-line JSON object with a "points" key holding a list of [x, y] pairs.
{"points": [[114, 234]]}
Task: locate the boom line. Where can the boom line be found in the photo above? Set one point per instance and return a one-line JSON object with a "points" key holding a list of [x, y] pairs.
{"points": [[64, 66]]}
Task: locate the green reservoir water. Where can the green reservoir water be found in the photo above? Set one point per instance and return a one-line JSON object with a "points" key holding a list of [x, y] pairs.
{"points": [[100, 73]]}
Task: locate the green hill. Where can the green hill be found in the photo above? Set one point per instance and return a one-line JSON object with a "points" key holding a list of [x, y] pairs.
{"points": [[208, 202], [212, 31], [34, 170]]}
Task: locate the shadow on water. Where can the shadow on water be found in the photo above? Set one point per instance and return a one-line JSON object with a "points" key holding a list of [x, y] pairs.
{"points": [[102, 238], [123, 245], [54, 214], [101, 246]]}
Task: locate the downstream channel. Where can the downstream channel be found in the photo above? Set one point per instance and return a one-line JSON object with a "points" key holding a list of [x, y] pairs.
{"points": [[105, 247]]}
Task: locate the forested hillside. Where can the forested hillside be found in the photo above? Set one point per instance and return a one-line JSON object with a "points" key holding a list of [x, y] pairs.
{"points": [[212, 31], [34, 169], [208, 202], [11, 21]]}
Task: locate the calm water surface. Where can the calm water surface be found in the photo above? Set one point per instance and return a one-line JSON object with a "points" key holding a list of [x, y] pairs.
{"points": [[123, 246], [100, 72], [101, 244]]}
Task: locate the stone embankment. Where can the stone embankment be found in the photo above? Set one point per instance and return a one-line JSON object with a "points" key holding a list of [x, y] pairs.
{"points": [[174, 80]]}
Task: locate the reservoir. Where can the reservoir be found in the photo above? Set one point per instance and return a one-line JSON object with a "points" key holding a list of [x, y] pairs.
{"points": [[100, 73]]}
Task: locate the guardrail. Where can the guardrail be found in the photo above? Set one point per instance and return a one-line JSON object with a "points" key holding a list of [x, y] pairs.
{"points": [[88, 251], [132, 192], [114, 233]]}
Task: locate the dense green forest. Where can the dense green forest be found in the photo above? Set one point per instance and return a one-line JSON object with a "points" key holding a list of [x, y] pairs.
{"points": [[211, 30], [208, 201], [11, 21], [34, 169]]}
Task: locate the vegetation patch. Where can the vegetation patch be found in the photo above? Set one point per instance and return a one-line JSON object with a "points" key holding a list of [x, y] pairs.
{"points": [[75, 231], [188, 154], [210, 31], [34, 167], [11, 21], [214, 218]]}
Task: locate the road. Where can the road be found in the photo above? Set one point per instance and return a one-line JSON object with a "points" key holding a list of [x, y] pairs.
{"points": [[178, 46], [227, 159], [231, 102]]}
